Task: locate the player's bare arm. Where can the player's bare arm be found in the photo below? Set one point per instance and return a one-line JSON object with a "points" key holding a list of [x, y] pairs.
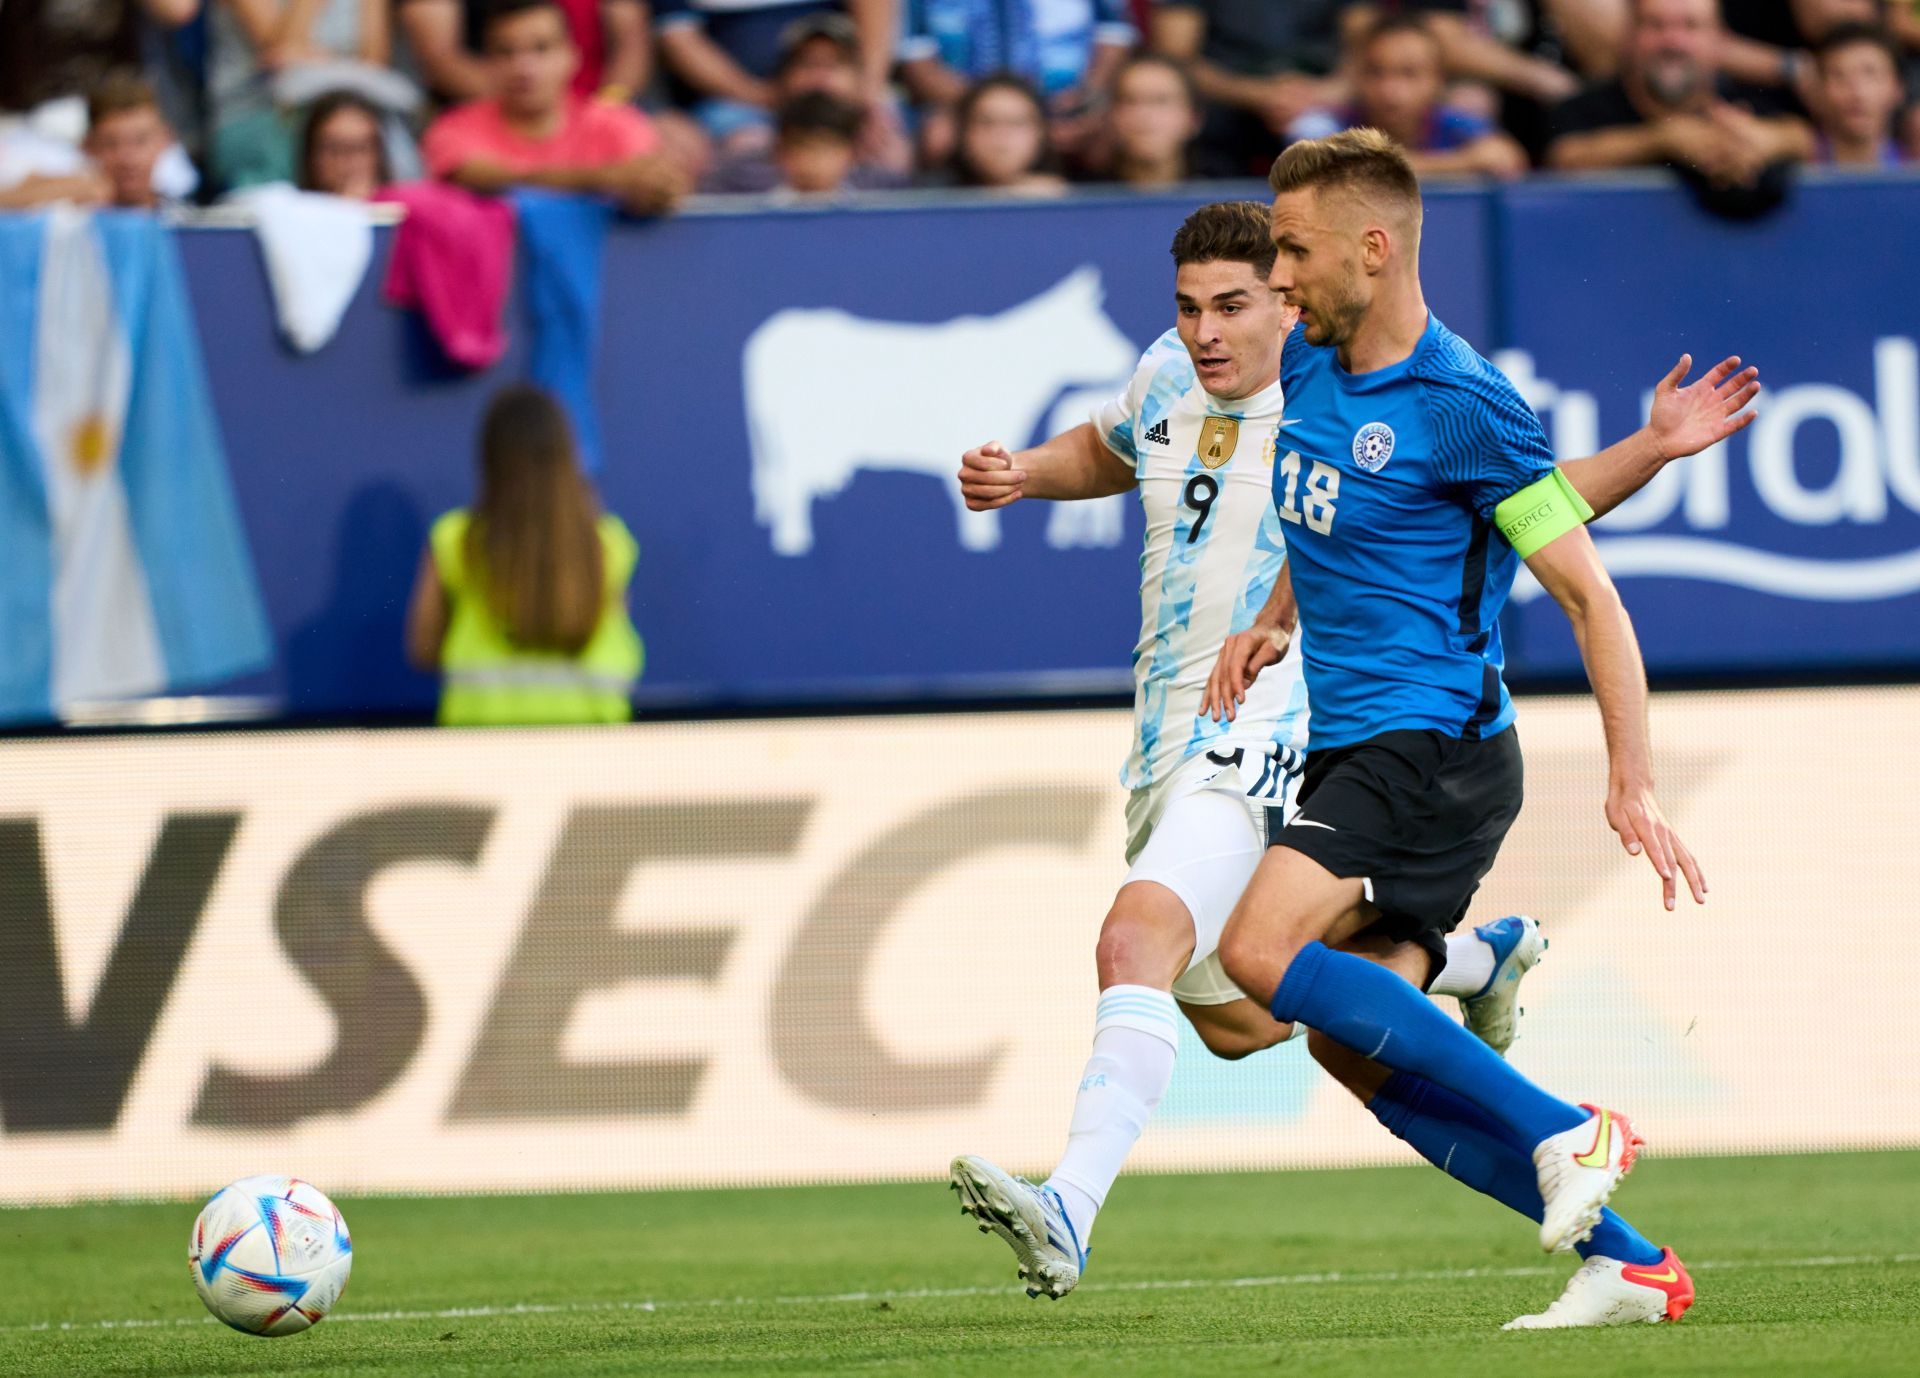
{"points": [[1569, 568], [1245, 654], [1684, 421], [1076, 464]]}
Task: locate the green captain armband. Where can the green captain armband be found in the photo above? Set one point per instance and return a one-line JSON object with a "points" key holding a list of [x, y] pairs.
{"points": [[1543, 511]]}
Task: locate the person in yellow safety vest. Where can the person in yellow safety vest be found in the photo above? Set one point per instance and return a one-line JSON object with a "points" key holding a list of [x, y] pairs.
{"points": [[521, 600]]}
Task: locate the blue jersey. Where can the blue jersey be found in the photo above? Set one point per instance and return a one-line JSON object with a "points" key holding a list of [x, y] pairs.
{"points": [[1387, 489]]}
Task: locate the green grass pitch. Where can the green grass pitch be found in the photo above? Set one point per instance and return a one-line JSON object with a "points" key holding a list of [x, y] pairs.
{"points": [[1805, 1264]]}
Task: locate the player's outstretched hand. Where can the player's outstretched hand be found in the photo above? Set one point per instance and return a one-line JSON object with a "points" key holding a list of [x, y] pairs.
{"points": [[1686, 420], [1239, 663], [988, 478], [1633, 813]]}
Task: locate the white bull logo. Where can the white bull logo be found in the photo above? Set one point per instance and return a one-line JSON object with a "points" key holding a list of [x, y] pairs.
{"points": [[830, 394]]}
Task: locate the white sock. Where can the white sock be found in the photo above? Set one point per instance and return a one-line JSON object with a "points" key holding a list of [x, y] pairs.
{"points": [[1135, 1034], [1470, 961]]}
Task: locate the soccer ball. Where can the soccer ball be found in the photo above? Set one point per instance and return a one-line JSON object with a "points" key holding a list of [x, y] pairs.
{"points": [[270, 1255]]}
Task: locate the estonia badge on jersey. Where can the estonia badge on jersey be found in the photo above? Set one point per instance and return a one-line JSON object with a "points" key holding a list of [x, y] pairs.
{"points": [[1373, 446]]}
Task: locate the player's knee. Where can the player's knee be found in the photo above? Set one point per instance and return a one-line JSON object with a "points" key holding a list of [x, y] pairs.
{"points": [[1247, 962], [1143, 944], [1113, 954]]}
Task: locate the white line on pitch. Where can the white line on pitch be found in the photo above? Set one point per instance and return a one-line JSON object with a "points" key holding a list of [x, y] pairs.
{"points": [[455, 1313]]}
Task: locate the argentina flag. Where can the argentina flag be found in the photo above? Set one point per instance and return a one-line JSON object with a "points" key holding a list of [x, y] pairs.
{"points": [[123, 568]]}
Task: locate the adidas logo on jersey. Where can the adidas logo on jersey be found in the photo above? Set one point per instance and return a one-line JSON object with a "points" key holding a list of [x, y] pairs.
{"points": [[1157, 433]]}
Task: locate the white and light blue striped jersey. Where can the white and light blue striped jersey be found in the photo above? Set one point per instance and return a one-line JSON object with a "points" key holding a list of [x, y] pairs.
{"points": [[1213, 548]]}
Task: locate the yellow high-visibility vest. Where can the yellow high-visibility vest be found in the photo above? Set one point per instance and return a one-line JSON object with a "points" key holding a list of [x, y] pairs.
{"points": [[485, 680]]}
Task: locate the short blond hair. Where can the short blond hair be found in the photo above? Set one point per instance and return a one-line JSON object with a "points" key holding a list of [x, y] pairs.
{"points": [[1360, 160]]}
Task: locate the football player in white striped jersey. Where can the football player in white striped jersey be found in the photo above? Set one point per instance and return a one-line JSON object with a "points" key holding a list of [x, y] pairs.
{"points": [[1194, 432]]}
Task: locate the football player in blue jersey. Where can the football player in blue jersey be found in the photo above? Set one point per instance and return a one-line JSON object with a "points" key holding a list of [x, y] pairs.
{"points": [[1415, 480], [1195, 433]]}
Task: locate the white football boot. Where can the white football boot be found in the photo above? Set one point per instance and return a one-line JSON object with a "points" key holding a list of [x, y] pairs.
{"points": [[1608, 1292], [1494, 1014], [1031, 1220], [1578, 1169]]}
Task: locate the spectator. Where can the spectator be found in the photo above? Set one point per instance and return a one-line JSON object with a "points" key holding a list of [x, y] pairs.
{"points": [[341, 148], [1152, 123], [534, 131], [1857, 97], [520, 601], [250, 43], [1070, 49], [820, 54], [1259, 66], [614, 38], [54, 50], [1588, 34], [126, 137], [816, 132], [1471, 51], [1903, 24], [1001, 141], [1768, 41], [1671, 104], [814, 150], [1399, 89], [725, 53], [445, 37]]}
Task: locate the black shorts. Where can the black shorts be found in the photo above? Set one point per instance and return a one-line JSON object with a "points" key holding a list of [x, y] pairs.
{"points": [[1416, 814]]}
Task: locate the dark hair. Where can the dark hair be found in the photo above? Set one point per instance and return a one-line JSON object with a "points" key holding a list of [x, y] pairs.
{"points": [[815, 112], [499, 10], [1362, 160], [1849, 35], [964, 172], [533, 547], [117, 93], [324, 109], [1401, 21], [830, 25], [1143, 57], [1227, 232]]}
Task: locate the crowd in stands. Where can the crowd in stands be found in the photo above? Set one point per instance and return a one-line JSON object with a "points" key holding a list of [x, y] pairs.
{"points": [[149, 102]]}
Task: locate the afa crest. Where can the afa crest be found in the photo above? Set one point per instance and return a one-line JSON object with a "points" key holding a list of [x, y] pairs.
{"points": [[1218, 436], [1373, 446]]}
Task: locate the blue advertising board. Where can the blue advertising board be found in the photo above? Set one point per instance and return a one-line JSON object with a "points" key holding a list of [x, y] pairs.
{"points": [[1795, 547], [784, 398]]}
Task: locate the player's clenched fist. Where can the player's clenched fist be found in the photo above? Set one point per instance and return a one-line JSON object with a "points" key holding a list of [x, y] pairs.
{"points": [[988, 478]]}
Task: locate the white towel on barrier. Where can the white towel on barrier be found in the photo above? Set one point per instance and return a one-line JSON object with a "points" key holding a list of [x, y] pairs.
{"points": [[317, 249]]}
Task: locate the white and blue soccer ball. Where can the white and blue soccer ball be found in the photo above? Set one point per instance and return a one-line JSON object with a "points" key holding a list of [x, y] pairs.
{"points": [[270, 1255]]}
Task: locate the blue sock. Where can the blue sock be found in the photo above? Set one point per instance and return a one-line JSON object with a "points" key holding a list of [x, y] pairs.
{"points": [[1470, 1148], [1381, 1015]]}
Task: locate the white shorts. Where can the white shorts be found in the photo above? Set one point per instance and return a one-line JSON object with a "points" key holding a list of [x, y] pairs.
{"points": [[1201, 834]]}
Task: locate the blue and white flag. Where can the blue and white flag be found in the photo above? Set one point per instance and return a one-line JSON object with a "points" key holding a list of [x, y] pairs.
{"points": [[123, 567]]}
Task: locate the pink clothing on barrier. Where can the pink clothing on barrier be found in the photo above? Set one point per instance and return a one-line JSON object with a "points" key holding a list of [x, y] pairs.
{"points": [[453, 259]]}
